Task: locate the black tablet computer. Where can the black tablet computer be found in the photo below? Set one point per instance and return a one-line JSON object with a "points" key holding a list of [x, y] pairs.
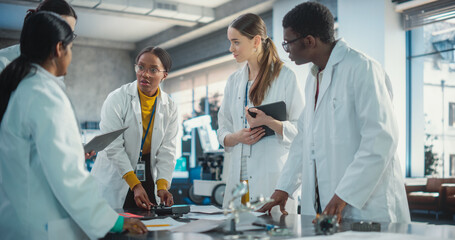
{"points": [[277, 110], [99, 142]]}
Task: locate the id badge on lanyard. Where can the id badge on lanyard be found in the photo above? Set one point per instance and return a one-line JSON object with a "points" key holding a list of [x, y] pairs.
{"points": [[246, 149], [140, 171], [140, 167]]}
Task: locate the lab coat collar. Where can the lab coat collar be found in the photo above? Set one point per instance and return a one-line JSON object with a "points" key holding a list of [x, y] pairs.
{"points": [[337, 54], [246, 71], [58, 80], [132, 90]]}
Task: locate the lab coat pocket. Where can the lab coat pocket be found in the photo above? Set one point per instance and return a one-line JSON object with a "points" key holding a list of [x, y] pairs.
{"points": [[335, 108], [337, 116], [335, 103], [64, 228]]}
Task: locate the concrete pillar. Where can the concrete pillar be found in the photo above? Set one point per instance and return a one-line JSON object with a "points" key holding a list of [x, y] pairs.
{"points": [[373, 27]]}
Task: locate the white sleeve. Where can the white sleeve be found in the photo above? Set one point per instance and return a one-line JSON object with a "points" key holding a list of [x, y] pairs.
{"points": [[113, 114], [291, 175], [294, 106], [225, 121], [166, 154], [59, 147]]}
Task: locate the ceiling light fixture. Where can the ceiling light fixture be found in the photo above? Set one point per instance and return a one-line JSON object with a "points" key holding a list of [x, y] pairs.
{"points": [[139, 6]]}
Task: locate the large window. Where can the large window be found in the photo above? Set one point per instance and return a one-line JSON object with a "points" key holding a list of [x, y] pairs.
{"points": [[452, 165], [196, 93], [452, 114], [432, 76]]}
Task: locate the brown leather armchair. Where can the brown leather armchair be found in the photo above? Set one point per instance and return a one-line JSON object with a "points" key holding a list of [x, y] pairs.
{"points": [[450, 197], [430, 197]]}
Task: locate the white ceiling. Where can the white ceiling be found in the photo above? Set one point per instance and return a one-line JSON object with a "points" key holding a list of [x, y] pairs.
{"points": [[203, 3], [117, 28], [101, 25]]}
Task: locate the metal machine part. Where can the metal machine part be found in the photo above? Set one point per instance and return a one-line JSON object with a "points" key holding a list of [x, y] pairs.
{"points": [[366, 226], [218, 194], [246, 237], [209, 141], [238, 192], [211, 162], [326, 224]]}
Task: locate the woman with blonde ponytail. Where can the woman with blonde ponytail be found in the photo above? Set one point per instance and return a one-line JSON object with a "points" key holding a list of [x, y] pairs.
{"points": [[257, 159]]}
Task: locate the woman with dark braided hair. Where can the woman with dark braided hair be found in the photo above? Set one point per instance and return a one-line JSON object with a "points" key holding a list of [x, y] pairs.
{"points": [[257, 159], [45, 190]]}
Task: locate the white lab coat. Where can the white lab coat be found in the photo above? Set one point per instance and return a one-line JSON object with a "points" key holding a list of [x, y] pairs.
{"points": [[46, 192], [7, 55], [352, 138], [122, 108], [270, 153]]}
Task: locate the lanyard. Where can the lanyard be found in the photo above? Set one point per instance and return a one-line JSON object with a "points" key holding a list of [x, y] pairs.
{"points": [[146, 132], [246, 149], [246, 103], [246, 94]]}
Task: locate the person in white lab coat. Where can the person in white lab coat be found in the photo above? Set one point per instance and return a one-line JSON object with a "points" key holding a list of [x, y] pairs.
{"points": [[149, 142], [61, 7], [348, 134], [255, 159], [45, 191]]}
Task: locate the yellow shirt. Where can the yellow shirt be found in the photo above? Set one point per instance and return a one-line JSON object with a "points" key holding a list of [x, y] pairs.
{"points": [[146, 109]]}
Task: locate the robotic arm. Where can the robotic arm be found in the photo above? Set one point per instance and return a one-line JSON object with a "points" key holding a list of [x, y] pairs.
{"points": [[207, 135]]}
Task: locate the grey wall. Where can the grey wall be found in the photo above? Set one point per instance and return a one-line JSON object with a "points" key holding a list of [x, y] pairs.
{"points": [[93, 74], [7, 42]]}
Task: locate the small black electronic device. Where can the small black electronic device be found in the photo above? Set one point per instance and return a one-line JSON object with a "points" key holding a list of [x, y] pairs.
{"points": [[326, 224], [277, 110], [176, 210]]}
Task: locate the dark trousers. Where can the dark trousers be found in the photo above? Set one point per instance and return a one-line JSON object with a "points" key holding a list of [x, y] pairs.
{"points": [[149, 186]]}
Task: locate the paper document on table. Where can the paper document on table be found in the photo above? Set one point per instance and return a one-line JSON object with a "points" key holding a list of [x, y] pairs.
{"points": [[206, 216], [162, 224], [212, 215], [198, 226], [368, 235], [258, 214], [210, 209], [248, 227]]}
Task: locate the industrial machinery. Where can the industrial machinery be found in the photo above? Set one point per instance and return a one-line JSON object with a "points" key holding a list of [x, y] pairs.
{"points": [[211, 183]]}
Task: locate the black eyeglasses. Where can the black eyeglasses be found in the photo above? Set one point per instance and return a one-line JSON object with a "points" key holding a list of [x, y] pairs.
{"points": [[70, 37], [285, 44]]}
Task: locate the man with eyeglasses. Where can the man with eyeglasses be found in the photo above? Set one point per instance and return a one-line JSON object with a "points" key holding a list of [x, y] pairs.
{"points": [[344, 156]]}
